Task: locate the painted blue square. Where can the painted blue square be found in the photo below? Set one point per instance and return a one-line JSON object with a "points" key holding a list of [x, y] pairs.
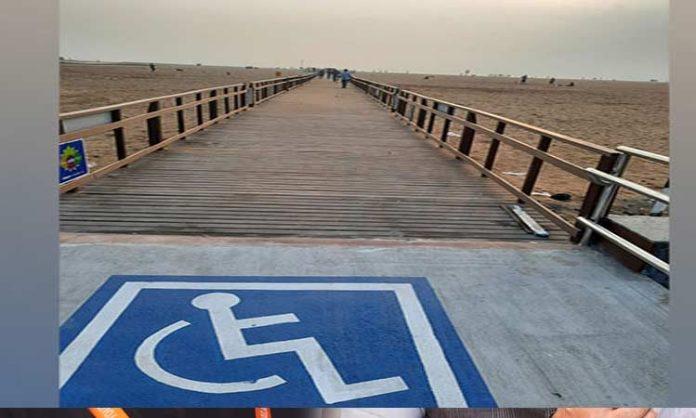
{"points": [[72, 160], [165, 341]]}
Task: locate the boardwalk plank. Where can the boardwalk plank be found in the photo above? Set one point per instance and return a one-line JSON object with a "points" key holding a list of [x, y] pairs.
{"points": [[317, 162]]}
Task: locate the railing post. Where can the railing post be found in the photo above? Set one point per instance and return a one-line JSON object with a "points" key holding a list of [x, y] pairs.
{"points": [[226, 101], [119, 137], [404, 105], [420, 122], [250, 98], [395, 102], [199, 108], [467, 139], [154, 125], [535, 166], [400, 103], [213, 106], [412, 112], [446, 125], [235, 90], [180, 120], [431, 121], [493, 148], [607, 163]]}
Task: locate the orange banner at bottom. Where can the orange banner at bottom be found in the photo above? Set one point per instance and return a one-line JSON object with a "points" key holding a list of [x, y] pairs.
{"points": [[110, 413], [263, 412]]}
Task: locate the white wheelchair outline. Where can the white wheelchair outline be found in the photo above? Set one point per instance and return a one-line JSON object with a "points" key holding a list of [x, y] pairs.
{"points": [[233, 346]]}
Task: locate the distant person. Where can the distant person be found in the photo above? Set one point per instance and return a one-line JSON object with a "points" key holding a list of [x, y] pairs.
{"points": [[345, 78], [523, 80], [152, 67], [334, 75], [552, 81]]}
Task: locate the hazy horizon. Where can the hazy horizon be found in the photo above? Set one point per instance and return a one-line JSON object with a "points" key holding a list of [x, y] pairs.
{"points": [[609, 39]]}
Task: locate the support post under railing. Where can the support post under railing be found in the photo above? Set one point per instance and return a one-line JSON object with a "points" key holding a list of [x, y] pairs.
{"points": [[395, 102], [608, 163], [431, 121], [535, 166], [154, 125], [199, 109], [420, 122], [493, 148], [467, 139], [446, 124], [180, 120], [119, 136], [213, 105], [226, 101], [250, 98]]}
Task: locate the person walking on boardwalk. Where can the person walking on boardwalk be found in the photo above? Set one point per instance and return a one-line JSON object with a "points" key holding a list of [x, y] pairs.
{"points": [[345, 78]]}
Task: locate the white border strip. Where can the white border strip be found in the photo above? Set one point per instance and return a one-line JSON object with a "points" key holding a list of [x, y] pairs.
{"points": [[440, 376]]}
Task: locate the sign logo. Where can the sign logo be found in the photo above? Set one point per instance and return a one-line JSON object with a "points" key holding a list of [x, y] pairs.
{"points": [[241, 341], [72, 160]]}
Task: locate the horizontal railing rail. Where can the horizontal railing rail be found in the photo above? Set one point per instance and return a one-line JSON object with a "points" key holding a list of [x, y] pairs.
{"points": [[422, 112], [608, 179], [625, 245], [647, 155], [222, 102], [613, 184]]}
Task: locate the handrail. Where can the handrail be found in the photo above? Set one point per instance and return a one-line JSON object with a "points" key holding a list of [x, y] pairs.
{"points": [[603, 208], [605, 180], [630, 185], [233, 98], [626, 245], [91, 111], [650, 156], [421, 112], [531, 128]]}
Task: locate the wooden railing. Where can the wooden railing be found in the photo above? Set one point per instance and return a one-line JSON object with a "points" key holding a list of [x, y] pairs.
{"points": [[222, 102], [613, 183], [421, 113]]}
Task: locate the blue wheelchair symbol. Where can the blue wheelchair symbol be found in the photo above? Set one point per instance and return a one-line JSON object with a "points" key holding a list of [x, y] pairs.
{"points": [[240, 341]]}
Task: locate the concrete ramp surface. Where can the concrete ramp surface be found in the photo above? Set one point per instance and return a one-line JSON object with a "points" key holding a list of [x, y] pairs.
{"points": [[543, 326]]}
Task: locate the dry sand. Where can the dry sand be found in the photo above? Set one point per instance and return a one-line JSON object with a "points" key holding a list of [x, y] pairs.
{"points": [[609, 113]]}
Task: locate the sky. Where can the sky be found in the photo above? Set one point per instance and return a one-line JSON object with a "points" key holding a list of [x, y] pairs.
{"points": [[611, 39]]}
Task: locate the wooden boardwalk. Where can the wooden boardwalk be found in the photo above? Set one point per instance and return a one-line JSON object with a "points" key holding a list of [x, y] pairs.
{"points": [[319, 161]]}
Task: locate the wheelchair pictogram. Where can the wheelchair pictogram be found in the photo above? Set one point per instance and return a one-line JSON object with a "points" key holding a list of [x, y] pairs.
{"points": [[229, 341], [233, 346]]}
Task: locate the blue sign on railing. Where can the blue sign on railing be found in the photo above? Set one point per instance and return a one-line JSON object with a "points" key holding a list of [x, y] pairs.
{"points": [[72, 160], [156, 341]]}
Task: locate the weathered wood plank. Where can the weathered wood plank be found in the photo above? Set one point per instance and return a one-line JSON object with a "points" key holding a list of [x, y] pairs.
{"points": [[319, 162]]}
